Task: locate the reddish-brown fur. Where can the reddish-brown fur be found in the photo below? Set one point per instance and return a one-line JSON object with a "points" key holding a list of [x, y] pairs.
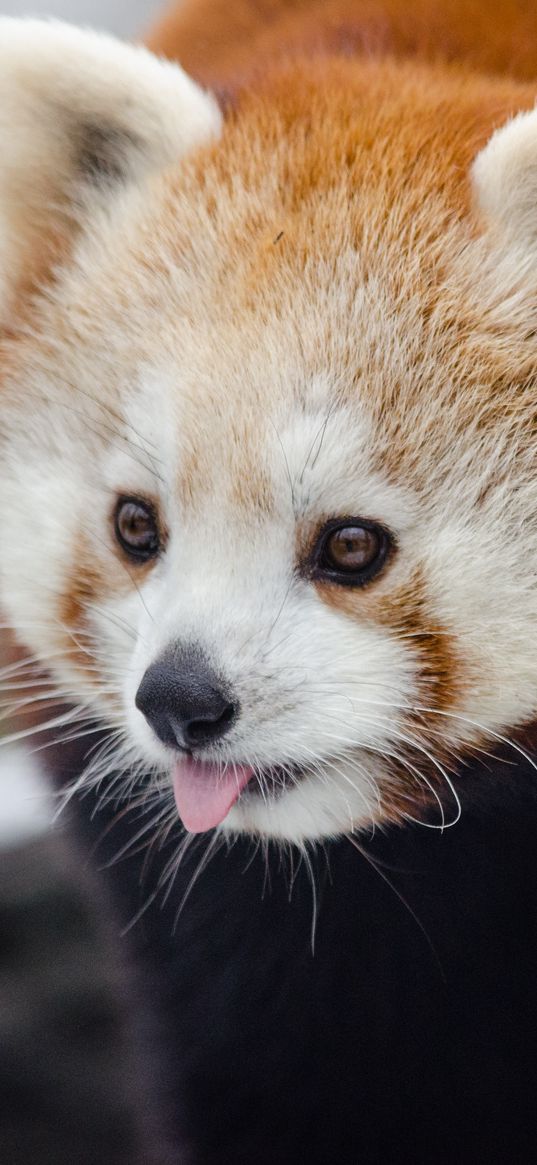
{"points": [[222, 41]]}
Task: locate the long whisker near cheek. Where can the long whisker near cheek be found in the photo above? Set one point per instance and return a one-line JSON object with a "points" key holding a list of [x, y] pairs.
{"points": [[115, 619], [314, 896], [415, 744], [171, 869], [151, 827], [333, 767], [76, 717], [111, 763], [320, 764], [13, 709], [424, 710], [377, 867]]}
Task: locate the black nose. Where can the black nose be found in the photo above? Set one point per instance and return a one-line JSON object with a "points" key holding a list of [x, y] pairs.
{"points": [[184, 701]]}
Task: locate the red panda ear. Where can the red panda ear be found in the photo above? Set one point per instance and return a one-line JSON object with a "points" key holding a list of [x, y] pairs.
{"points": [[80, 114], [505, 179]]}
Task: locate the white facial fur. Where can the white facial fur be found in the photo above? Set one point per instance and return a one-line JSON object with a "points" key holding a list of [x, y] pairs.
{"points": [[150, 371]]}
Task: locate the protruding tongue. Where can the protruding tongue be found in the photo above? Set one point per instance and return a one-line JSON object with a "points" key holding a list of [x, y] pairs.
{"points": [[204, 793]]}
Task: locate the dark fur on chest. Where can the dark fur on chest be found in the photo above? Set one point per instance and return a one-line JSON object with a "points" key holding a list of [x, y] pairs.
{"points": [[410, 1031]]}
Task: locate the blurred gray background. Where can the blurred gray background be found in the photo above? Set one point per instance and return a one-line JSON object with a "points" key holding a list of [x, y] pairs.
{"points": [[125, 17]]}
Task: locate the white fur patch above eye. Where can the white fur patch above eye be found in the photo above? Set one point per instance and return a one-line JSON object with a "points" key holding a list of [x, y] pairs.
{"points": [[505, 178]]}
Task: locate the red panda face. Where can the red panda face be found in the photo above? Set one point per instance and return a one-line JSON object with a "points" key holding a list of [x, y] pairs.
{"points": [[267, 483]]}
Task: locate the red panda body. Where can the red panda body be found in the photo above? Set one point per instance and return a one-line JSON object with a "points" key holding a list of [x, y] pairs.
{"points": [[222, 43]]}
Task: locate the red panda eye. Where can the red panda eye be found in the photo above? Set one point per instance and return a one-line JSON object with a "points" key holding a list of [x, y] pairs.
{"points": [[351, 552], [136, 528]]}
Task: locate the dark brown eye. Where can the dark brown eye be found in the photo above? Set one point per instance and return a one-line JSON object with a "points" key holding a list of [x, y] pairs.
{"points": [[136, 528], [351, 552]]}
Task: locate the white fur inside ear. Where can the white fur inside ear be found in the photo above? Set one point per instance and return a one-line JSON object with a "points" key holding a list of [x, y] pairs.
{"points": [[80, 112], [505, 178], [50, 72]]}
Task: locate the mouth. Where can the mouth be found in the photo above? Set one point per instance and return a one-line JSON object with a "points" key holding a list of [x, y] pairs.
{"points": [[205, 792]]}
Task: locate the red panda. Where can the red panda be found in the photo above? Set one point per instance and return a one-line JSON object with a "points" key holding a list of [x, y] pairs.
{"points": [[267, 449]]}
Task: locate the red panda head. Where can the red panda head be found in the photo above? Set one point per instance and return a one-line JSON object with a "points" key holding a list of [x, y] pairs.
{"points": [[267, 485]]}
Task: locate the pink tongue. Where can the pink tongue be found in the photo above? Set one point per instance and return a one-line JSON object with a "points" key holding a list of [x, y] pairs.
{"points": [[204, 793]]}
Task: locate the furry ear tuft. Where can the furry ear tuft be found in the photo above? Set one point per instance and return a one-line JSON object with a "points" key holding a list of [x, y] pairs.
{"points": [[80, 113], [505, 179]]}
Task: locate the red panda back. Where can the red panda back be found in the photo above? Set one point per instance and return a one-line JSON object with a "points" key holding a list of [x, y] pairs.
{"points": [[220, 41]]}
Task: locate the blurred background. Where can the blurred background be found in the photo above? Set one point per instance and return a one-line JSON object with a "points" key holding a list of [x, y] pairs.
{"points": [[71, 1088], [124, 17]]}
